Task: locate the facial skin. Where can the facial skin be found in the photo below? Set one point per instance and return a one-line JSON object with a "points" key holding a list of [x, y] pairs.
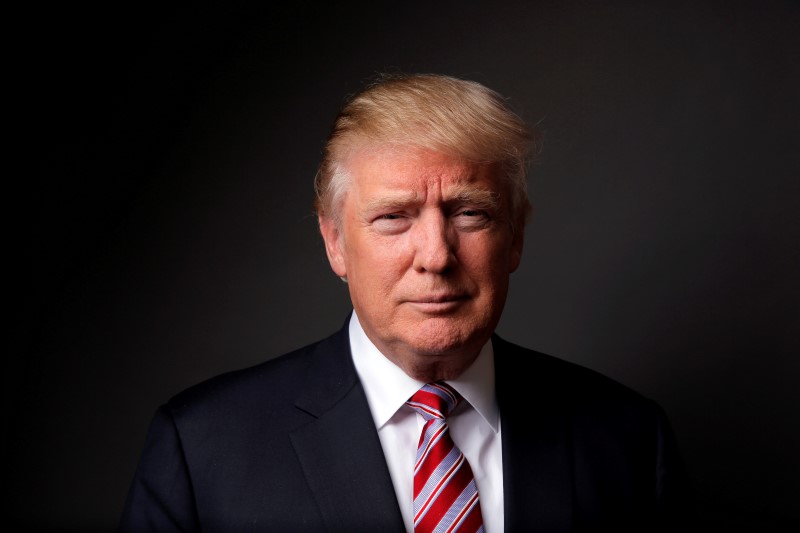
{"points": [[427, 249]]}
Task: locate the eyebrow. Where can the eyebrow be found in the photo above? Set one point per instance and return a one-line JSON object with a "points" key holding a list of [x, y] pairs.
{"points": [[482, 198], [392, 201]]}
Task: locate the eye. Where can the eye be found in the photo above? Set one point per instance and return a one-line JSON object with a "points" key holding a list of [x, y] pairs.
{"points": [[471, 219], [391, 223]]}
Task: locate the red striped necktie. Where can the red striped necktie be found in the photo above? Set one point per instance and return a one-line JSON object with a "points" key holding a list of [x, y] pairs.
{"points": [[445, 494]]}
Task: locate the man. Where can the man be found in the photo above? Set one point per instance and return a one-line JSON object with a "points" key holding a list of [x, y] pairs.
{"points": [[422, 203]]}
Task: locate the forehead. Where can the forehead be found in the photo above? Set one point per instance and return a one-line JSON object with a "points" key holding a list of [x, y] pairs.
{"points": [[403, 168]]}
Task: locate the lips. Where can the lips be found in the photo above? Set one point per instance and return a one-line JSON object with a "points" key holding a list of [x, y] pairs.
{"points": [[437, 304], [438, 298]]}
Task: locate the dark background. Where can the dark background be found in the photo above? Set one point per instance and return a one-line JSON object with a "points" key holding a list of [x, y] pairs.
{"points": [[162, 211]]}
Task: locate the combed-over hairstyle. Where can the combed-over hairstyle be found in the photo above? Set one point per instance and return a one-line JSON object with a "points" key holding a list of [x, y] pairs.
{"points": [[450, 115]]}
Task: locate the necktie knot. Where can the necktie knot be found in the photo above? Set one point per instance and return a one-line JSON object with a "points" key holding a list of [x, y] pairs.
{"points": [[435, 400]]}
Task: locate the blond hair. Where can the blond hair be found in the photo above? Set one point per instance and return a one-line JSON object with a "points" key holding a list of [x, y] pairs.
{"points": [[442, 113]]}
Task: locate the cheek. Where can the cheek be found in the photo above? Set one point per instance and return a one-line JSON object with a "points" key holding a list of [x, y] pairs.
{"points": [[489, 266], [378, 264], [485, 254], [387, 253]]}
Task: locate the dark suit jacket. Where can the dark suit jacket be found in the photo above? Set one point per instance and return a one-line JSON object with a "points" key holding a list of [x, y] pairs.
{"points": [[290, 445]]}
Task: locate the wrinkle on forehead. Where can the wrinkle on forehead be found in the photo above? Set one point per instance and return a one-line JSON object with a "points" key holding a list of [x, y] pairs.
{"points": [[411, 157], [420, 172]]}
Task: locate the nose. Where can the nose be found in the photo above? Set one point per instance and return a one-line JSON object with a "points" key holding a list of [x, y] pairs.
{"points": [[434, 244]]}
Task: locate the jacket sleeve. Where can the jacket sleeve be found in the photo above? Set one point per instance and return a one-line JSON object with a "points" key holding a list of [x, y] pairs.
{"points": [[161, 497]]}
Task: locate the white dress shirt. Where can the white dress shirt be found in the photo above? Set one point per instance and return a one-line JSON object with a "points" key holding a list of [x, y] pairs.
{"points": [[474, 425]]}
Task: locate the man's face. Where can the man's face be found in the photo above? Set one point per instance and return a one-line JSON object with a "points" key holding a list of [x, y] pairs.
{"points": [[427, 249]]}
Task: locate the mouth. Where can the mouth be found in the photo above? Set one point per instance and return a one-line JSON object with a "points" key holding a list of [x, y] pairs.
{"points": [[437, 304]]}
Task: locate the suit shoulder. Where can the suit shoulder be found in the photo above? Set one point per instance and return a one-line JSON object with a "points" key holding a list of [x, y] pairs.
{"points": [[271, 382]]}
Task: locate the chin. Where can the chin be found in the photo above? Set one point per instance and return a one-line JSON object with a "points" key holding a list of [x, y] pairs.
{"points": [[438, 362], [442, 337]]}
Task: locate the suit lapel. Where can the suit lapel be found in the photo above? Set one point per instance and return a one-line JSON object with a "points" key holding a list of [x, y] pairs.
{"points": [[340, 451], [344, 465], [537, 444]]}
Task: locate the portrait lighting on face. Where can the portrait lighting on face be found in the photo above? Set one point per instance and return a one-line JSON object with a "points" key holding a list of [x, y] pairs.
{"points": [[426, 244]]}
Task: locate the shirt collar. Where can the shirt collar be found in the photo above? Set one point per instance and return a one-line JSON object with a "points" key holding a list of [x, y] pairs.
{"points": [[387, 387]]}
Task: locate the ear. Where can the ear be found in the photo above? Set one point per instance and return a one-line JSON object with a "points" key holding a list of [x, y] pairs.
{"points": [[334, 245], [515, 252]]}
